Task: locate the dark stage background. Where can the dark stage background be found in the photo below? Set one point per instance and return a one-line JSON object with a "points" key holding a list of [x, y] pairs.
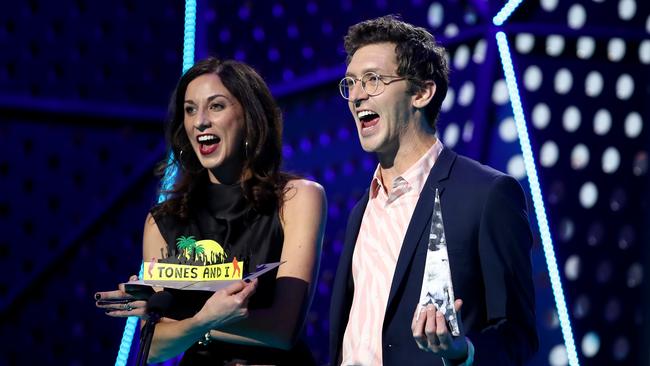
{"points": [[83, 90]]}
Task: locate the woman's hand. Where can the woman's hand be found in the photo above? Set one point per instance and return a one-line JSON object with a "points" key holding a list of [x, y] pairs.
{"points": [[227, 305], [119, 304]]}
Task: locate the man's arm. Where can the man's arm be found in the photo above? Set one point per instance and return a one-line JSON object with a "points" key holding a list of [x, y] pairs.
{"points": [[505, 242]]}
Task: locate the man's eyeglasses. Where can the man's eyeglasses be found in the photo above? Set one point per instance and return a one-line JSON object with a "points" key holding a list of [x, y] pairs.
{"points": [[371, 82]]}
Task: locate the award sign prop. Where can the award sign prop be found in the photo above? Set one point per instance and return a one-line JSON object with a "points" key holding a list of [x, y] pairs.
{"points": [[198, 278], [437, 288]]}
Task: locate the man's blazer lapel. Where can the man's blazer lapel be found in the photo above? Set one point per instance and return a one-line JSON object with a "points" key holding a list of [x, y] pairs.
{"points": [[420, 221]]}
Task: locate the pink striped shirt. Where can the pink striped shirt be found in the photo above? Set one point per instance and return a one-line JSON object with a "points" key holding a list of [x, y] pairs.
{"points": [[382, 232]]}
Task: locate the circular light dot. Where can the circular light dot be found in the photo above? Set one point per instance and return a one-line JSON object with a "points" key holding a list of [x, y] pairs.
{"points": [[551, 320], [468, 131], [567, 228], [451, 30], [595, 234], [602, 122], [590, 344], [461, 57], [451, 135], [579, 157], [287, 151], [617, 200], [594, 84], [549, 5], [604, 272], [571, 119], [500, 92], [634, 275], [435, 15], [588, 195], [626, 9], [533, 78], [644, 51], [616, 49], [541, 116], [516, 167], [621, 348], [549, 154], [508, 130], [554, 45], [273, 54], [612, 310], [581, 307], [292, 31], [470, 17], [258, 34], [640, 164], [558, 356], [626, 237], [479, 51], [466, 94], [563, 81], [448, 103], [576, 16], [572, 268], [278, 10], [624, 87], [556, 193], [585, 47], [633, 125], [611, 160], [524, 42]]}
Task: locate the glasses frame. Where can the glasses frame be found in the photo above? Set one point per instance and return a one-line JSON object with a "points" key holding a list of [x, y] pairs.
{"points": [[378, 90]]}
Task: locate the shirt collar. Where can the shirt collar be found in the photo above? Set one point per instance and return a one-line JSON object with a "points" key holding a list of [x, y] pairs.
{"points": [[415, 176]]}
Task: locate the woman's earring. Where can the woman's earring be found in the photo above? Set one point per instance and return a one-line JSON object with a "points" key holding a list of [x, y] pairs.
{"points": [[246, 149]]}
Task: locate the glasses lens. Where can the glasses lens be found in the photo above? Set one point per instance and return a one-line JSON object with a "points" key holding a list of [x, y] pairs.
{"points": [[345, 85], [371, 82]]}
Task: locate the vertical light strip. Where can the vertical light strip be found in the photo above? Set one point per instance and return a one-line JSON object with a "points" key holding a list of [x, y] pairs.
{"points": [[128, 334], [505, 12], [538, 202], [170, 173], [189, 38]]}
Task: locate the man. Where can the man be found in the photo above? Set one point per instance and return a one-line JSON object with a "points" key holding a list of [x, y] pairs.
{"points": [[395, 83]]}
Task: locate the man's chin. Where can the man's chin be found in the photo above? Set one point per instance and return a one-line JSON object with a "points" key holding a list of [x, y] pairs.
{"points": [[369, 148]]}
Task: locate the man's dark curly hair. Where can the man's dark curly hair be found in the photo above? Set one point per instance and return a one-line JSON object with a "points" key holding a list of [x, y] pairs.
{"points": [[419, 57]]}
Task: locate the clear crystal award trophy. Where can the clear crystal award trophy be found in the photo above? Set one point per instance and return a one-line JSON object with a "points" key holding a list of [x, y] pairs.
{"points": [[437, 288]]}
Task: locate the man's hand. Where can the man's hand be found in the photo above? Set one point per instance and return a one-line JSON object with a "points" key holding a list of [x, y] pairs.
{"points": [[432, 335]]}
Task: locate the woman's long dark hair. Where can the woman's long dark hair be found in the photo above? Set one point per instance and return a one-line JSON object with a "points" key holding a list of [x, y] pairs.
{"points": [[262, 182]]}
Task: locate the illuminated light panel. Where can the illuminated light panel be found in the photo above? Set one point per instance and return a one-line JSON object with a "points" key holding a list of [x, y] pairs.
{"points": [[505, 12], [536, 193], [170, 174]]}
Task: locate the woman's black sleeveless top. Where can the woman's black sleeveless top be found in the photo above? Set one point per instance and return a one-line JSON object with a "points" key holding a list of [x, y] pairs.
{"points": [[225, 216]]}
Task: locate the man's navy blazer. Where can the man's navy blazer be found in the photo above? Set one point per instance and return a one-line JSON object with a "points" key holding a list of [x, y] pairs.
{"points": [[488, 241]]}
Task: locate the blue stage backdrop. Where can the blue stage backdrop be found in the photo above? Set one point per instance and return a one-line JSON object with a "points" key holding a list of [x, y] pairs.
{"points": [[84, 87]]}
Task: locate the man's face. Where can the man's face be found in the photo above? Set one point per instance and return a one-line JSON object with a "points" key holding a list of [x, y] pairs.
{"points": [[380, 119]]}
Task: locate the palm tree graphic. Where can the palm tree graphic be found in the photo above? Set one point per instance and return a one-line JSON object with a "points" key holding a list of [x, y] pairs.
{"points": [[186, 245]]}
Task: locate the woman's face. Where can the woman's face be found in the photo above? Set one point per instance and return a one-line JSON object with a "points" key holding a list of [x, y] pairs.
{"points": [[214, 123]]}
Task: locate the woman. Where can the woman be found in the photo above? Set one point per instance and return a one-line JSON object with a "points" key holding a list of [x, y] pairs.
{"points": [[225, 133]]}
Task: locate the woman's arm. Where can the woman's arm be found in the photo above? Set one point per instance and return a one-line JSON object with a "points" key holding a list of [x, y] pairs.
{"points": [[172, 337], [303, 220]]}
